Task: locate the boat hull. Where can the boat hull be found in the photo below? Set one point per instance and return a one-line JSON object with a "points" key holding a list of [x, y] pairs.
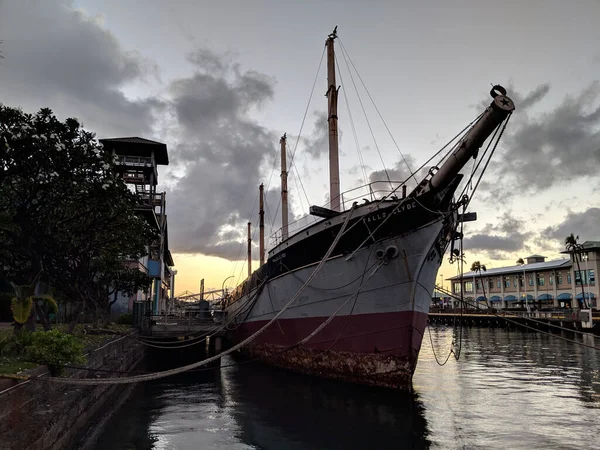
{"points": [[373, 349], [379, 307]]}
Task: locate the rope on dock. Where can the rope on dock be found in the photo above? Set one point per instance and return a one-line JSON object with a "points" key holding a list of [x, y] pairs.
{"points": [[167, 373]]}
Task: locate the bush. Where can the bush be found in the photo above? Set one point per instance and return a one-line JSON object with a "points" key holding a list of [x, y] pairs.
{"points": [[20, 341], [55, 349], [125, 319]]}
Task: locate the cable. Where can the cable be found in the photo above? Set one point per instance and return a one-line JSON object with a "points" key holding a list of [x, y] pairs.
{"points": [[527, 326], [378, 112], [302, 127], [366, 118]]}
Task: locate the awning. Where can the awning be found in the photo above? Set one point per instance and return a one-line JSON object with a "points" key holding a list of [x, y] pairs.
{"points": [[481, 298], [588, 295], [529, 297], [564, 296], [496, 298], [510, 298], [545, 297]]}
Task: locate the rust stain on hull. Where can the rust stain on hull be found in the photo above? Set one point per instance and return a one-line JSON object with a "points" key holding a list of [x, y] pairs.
{"points": [[374, 369]]}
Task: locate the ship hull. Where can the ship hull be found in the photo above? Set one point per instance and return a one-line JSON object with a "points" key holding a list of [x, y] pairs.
{"points": [[379, 304]]}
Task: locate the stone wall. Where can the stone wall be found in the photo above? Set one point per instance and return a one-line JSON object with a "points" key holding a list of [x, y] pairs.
{"points": [[37, 415]]}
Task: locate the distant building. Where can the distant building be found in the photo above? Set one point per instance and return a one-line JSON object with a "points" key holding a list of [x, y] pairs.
{"points": [[137, 160], [538, 283]]}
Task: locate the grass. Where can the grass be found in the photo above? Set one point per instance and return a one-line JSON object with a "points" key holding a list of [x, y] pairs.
{"points": [[11, 363], [14, 364]]}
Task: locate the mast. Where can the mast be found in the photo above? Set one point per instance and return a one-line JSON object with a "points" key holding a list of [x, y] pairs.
{"points": [[284, 189], [332, 119], [261, 214], [249, 249]]}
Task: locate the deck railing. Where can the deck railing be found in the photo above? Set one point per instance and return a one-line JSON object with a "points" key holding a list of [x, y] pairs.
{"points": [[371, 192]]}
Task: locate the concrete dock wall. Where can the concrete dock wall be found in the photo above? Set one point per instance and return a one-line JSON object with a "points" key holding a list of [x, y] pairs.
{"points": [[38, 415]]}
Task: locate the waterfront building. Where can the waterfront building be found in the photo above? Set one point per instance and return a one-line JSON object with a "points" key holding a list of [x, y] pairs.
{"points": [[137, 160], [537, 283]]}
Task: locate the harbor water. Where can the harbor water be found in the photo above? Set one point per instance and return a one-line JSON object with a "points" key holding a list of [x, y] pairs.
{"points": [[509, 389]]}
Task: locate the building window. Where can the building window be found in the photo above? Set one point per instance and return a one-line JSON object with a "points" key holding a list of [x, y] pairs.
{"points": [[491, 284], [507, 282], [530, 281], [499, 284], [478, 284], [520, 282], [580, 277], [569, 280], [551, 280], [515, 282], [591, 276], [468, 286], [456, 288], [540, 281], [558, 279]]}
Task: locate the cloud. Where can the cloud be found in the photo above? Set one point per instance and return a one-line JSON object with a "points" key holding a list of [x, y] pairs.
{"points": [[221, 152], [57, 56], [506, 236], [318, 144], [583, 224], [543, 150]]}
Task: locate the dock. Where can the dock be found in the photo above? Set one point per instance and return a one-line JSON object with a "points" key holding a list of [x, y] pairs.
{"points": [[549, 321]]}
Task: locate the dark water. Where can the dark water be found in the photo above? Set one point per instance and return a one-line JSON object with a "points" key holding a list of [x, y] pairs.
{"points": [[510, 390]]}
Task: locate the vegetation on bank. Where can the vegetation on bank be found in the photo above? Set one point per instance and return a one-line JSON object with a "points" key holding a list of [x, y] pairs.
{"points": [[56, 348], [68, 224]]}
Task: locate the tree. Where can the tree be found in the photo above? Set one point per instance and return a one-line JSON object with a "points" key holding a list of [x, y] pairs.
{"points": [[71, 217], [520, 262], [477, 267], [575, 249]]}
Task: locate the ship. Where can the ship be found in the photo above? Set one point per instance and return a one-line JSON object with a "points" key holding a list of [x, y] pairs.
{"points": [[347, 297]]}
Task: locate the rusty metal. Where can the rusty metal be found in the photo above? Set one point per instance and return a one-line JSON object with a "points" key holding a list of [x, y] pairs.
{"points": [[374, 369]]}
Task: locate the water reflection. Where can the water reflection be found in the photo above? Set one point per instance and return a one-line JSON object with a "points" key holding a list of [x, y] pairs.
{"points": [[508, 390], [277, 409]]}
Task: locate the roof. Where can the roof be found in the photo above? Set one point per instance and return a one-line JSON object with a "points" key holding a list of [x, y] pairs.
{"points": [[533, 267], [137, 146], [534, 256], [587, 245]]}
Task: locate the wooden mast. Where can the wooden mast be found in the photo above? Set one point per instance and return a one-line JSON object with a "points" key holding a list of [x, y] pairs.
{"points": [[284, 190], [332, 119], [249, 249], [261, 214]]}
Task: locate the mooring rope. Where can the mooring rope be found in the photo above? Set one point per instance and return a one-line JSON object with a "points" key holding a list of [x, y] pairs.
{"points": [[167, 373]]}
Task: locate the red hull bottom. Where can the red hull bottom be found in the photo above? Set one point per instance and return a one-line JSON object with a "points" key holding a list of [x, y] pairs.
{"points": [[378, 349]]}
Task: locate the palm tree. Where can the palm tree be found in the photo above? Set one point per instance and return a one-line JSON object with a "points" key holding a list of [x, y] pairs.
{"points": [[521, 262], [573, 247], [478, 267]]}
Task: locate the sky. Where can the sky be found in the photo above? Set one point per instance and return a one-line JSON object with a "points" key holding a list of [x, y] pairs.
{"points": [[220, 82]]}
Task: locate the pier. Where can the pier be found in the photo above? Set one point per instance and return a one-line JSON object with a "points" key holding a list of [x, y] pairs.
{"points": [[537, 320]]}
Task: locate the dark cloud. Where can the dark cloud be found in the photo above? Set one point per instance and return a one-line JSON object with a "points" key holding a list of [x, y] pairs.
{"points": [[584, 224], [542, 150], [505, 236], [318, 144], [56, 56], [221, 152]]}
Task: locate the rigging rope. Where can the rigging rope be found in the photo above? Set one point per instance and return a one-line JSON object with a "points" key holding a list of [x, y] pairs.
{"points": [[344, 51], [366, 117], [353, 127], [302, 127]]}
